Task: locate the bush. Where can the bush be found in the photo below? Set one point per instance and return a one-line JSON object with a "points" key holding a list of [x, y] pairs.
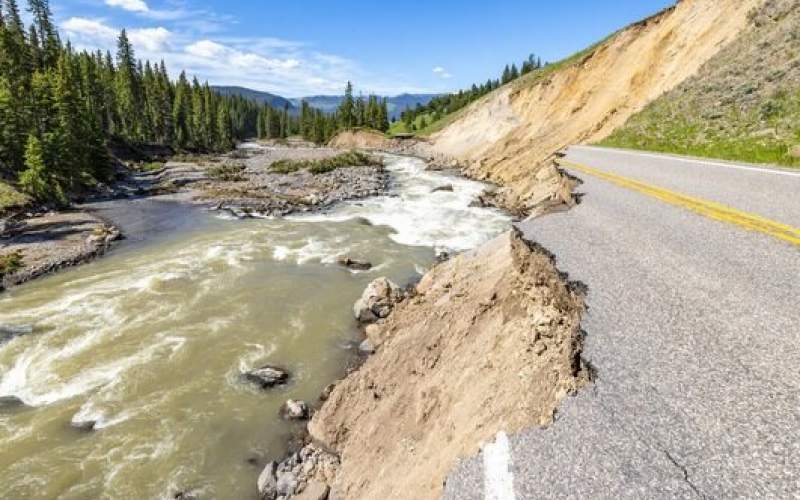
{"points": [[349, 159], [231, 172], [10, 263]]}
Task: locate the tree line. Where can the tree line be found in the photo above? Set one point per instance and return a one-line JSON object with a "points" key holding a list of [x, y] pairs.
{"points": [[450, 103], [61, 109], [318, 126]]}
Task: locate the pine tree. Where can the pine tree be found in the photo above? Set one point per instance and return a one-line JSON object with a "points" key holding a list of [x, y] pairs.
{"points": [[36, 179], [180, 113], [347, 117], [128, 93]]}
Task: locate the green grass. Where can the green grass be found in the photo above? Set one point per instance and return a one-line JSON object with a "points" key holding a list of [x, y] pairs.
{"points": [[674, 124], [10, 263], [231, 172], [11, 198], [349, 159]]}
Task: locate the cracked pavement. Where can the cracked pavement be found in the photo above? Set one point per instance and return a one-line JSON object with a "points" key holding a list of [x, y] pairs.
{"points": [[693, 328]]}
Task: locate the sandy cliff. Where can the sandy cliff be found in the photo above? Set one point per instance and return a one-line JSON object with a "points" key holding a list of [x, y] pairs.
{"points": [[506, 136]]}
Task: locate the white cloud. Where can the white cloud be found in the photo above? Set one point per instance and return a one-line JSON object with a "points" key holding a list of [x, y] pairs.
{"points": [[90, 29], [205, 48], [150, 39], [93, 33], [441, 72], [129, 5], [282, 66]]}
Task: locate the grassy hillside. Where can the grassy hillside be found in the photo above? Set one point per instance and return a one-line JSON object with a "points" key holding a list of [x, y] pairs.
{"points": [[744, 104]]}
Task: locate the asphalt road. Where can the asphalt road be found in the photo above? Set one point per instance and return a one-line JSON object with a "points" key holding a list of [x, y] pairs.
{"points": [[693, 328]]}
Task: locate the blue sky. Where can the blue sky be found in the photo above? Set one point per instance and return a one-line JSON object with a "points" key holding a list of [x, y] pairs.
{"points": [[297, 47]]}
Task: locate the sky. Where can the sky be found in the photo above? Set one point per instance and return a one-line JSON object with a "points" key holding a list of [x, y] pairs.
{"points": [[298, 48]]}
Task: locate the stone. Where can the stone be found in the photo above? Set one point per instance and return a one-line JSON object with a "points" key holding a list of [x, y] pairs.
{"points": [[268, 482], [314, 491], [326, 392], [794, 151], [267, 376], [447, 188], [287, 483], [377, 301], [11, 402], [295, 410], [366, 347], [357, 265]]}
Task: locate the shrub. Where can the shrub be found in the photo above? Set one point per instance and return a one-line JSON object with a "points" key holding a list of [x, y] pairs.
{"points": [[349, 159], [231, 172], [10, 263]]}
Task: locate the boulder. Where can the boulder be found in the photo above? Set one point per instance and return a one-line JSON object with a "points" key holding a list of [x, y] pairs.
{"points": [[267, 376], [268, 482], [295, 410], [794, 151], [287, 483], [366, 347], [11, 402], [326, 392], [377, 301], [314, 491], [447, 187], [358, 265]]}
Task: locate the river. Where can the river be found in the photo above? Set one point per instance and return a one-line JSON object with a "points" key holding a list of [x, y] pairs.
{"points": [[149, 343]]}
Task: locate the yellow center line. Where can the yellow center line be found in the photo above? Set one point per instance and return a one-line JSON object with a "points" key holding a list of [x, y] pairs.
{"points": [[710, 209]]}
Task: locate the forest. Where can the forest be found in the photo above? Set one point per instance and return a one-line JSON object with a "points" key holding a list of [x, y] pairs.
{"points": [[61, 110]]}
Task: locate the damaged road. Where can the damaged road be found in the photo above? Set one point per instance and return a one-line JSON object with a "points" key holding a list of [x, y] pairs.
{"points": [[693, 330]]}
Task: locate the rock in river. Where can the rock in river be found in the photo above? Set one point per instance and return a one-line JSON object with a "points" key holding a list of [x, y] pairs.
{"points": [[11, 402], [267, 376], [268, 482], [295, 410], [446, 187], [377, 301], [358, 265]]}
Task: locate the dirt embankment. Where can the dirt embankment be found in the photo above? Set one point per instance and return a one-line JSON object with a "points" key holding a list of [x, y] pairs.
{"points": [[507, 136], [491, 341]]}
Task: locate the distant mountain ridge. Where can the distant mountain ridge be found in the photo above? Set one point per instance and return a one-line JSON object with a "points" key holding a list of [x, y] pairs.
{"points": [[273, 100], [328, 103]]}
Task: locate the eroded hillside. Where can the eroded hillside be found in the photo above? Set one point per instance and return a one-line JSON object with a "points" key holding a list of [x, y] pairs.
{"points": [[508, 135]]}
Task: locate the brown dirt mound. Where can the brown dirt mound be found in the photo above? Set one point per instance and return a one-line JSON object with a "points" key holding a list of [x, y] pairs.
{"points": [[362, 139], [491, 342]]}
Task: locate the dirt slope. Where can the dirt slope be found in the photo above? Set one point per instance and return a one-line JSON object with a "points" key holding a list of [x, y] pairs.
{"points": [[743, 104], [506, 136], [491, 342]]}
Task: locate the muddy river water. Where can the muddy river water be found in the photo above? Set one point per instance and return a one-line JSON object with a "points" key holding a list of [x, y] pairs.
{"points": [[148, 344]]}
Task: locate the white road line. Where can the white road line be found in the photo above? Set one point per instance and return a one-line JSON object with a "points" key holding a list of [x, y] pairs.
{"points": [[498, 480], [765, 169]]}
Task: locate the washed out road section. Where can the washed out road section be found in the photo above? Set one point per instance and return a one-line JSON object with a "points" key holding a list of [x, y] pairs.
{"points": [[692, 328]]}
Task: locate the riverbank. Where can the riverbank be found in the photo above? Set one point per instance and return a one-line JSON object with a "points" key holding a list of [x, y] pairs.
{"points": [[488, 341], [546, 188], [240, 183], [101, 368]]}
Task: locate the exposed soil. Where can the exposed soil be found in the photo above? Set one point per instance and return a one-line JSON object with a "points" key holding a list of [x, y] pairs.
{"points": [[489, 341], [507, 136]]}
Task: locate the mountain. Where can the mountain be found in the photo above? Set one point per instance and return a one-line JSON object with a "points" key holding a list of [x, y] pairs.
{"points": [[273, 100], [395, 104], [328, 103]]}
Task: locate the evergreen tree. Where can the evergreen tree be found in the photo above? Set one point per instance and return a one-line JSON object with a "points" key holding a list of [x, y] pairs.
{"points": [[36, 179], [347, 117], [128, 94]]}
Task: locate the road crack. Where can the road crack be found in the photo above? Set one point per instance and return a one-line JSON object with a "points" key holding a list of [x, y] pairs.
{"points": [[685, 472]]}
